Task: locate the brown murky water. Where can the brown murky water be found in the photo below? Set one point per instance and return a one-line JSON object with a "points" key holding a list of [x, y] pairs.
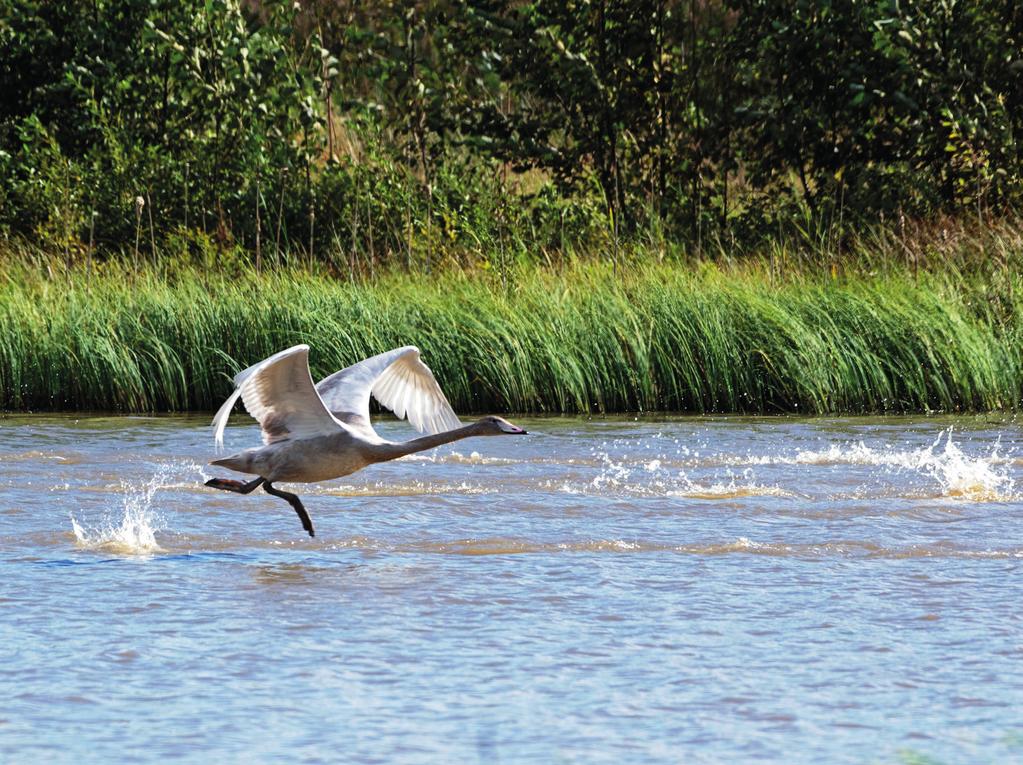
{"points": [[643, 591]]}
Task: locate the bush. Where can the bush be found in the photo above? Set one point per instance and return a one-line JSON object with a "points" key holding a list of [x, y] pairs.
{"points": [[354, 135]]}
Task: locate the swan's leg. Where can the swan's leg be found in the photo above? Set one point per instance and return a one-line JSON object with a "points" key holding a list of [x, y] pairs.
{"points": [[296, 503], [228, 484]]}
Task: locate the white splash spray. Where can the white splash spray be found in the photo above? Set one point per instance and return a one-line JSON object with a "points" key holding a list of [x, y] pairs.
{"points": [[652, 478], [960, 475], [943, 467], [957, 473], [135, 532]]}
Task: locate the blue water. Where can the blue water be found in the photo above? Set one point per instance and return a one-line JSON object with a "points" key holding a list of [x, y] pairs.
{"points": [[602, 591]]}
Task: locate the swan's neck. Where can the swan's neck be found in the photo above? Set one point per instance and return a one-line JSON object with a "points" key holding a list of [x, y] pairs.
{"points": [[391, 451]]}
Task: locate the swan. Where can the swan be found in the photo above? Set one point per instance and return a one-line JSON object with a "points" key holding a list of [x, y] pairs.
{"points": [[316, 433]]}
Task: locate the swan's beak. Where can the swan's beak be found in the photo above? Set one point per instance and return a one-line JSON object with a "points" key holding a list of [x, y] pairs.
{"points": [[510, 429]]}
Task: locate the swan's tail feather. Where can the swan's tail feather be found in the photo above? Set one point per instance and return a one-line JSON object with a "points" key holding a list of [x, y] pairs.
{"points": [[240, 462]]}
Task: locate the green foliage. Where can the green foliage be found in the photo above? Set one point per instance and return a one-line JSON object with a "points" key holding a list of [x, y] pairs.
{"points": [[881, 106], [43, 185], [589, 337], [363, 134], [190, 105]]}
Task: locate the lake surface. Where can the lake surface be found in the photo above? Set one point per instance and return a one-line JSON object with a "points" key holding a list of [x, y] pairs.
{"points": [[698, 590]]}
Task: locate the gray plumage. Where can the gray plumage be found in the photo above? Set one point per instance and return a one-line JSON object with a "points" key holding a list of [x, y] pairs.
{"points": [[316, 433]]}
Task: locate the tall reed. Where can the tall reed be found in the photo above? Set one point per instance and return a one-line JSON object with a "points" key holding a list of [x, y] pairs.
{"points": [[667, 337]]}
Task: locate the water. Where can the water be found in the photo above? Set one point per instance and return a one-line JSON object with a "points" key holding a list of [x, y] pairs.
{"points": [[601, 591]]}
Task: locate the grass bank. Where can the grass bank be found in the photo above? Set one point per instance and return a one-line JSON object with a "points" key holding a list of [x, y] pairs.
{"points": [[702, 337]]}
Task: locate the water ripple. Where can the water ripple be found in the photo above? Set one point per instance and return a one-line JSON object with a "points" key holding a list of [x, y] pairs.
{"points": [[643, 591]]}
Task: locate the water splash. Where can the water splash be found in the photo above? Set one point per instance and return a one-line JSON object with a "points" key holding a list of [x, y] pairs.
{"points": [[960, 475], [957, 474], [407, 488], [135, 532], [730, 490], [457, 458], [941, 470], [655, 477]]}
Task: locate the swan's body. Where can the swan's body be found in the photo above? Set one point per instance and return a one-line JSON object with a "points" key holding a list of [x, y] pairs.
{"points": [[316, 433]]}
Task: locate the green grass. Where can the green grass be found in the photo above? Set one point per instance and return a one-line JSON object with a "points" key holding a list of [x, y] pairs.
{"points": [[698, 337]]}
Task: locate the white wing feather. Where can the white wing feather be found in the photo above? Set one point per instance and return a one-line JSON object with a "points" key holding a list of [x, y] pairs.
{"points": [[278, 392], [400, 381]]}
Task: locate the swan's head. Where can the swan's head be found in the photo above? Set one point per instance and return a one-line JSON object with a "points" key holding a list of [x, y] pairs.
{"points": [[498, 426]]}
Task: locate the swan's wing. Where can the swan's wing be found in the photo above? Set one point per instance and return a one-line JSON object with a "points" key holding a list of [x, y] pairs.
{"points": [[279, 393], [400, 381]]}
